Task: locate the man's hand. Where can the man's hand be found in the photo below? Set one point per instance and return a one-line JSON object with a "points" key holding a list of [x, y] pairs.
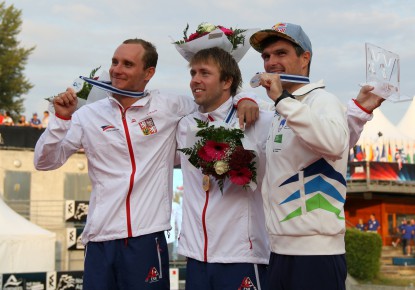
{"points": [[368, 100], [65, 103], [272, 83], [248, 113]]}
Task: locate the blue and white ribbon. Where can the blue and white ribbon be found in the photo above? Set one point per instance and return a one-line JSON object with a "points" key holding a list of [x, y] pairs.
{"points": [[106, 86], [255, 81], [230, 115]]}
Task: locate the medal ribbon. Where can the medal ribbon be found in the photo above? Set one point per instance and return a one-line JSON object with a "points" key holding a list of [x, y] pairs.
{"points": [[230, 115], [283, 77], [106, 86]]}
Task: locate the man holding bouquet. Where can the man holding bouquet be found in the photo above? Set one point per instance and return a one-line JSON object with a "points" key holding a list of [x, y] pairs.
{"points": [[223, 231]]}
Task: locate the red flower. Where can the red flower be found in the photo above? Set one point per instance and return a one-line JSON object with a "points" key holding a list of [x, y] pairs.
{"points": [[240, 158], [227, 31], [213, 151], [241, 176], [196, 35]]}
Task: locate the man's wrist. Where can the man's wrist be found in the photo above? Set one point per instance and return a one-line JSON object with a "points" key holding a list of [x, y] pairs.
{"points": [[245, 99], [357, 103], [66, 118], [285, 94]]}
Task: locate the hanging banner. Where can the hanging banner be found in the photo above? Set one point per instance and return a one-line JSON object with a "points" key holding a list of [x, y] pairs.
{"points": [[73, 239], [70, 280], [28, 281], [76, 210]]}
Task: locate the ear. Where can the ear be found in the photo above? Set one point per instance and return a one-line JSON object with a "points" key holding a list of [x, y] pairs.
{"points": [[227, 83], [149, 73], [305, 58]]}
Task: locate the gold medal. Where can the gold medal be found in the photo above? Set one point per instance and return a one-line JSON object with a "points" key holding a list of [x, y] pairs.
{"points": [[205, 182]]}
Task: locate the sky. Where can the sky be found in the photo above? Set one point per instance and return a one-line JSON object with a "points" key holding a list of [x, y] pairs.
{"points": [[73, 37]]}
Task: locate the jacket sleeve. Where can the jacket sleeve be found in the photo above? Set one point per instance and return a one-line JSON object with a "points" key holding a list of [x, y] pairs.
{"points": [[59, 141], [356, 119], [186, 105], [320, 123]]}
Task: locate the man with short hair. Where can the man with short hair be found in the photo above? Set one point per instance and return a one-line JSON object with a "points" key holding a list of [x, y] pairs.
{"points": [[35, 122], [223, 233], [304, 188], [130, 146], [373, 224]]}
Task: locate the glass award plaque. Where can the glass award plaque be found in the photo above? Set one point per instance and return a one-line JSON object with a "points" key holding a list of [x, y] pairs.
{"points": [[383, 73]]}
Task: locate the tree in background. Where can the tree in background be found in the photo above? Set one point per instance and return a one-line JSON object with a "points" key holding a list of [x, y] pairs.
{"points": [[13, 84]]}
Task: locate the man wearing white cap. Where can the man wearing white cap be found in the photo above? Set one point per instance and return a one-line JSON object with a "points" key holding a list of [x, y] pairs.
{"points": [[304, 188]]}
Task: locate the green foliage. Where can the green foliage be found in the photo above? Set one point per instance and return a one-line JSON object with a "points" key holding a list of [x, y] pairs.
{"points": [[87, 87], [237, 37], [363, 252], [13, 84], [219, 134], [184, 35]]}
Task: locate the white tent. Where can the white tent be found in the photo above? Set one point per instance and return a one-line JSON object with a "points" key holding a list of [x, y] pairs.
{"points": [[381, 128], [407, 123], [24, 246]]}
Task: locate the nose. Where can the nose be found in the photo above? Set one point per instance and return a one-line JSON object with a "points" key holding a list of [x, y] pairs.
{"points": [[195, 78]]}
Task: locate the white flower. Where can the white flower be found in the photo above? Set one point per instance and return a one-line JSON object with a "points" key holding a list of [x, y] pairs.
{"points": [[221, 167], [205, 27]]}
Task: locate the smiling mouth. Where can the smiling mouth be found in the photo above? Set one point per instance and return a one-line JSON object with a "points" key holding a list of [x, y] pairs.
{"points": [[277, 71]]}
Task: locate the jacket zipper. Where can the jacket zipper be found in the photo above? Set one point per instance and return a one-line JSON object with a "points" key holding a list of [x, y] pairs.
{"points": [[133, 170], [204, 227]]}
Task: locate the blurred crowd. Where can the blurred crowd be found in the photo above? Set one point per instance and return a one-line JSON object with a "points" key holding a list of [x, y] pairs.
{"points": [[7, 120]]}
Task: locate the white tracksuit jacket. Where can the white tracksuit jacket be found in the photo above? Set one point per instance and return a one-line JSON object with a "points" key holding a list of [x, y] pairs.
{"points": [[228, 227], [130, 161], [304, 189]]}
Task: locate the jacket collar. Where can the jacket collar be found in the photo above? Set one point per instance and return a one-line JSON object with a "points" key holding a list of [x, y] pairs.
{"points": [[219, 114], [308, 88], [141, 102]]}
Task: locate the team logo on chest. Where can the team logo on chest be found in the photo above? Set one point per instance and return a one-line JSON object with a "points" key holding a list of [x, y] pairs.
{"points": [[147, 126], [281, 125], [108, 128]]}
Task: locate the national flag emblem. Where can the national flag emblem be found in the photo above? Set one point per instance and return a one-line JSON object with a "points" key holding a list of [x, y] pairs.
{"points": [[107, 127], [280, 27], [247, 284], [153, 275], [147, 126]]}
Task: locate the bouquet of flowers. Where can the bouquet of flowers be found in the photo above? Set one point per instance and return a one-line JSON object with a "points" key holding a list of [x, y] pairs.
{"points": [[234, 36], [219, 153], [208, 35]]}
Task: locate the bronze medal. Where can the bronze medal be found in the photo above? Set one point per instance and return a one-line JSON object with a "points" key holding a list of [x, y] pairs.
{"points": [[205, 182]]}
